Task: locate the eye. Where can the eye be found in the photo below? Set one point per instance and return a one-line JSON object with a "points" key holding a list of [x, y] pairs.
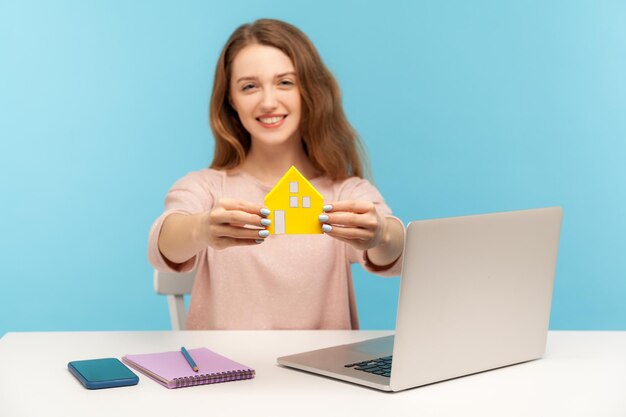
{"points": [[286, 83], [247, 87]]}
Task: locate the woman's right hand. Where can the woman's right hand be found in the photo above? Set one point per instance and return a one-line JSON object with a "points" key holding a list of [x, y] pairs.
{"points": [[233, 223]]}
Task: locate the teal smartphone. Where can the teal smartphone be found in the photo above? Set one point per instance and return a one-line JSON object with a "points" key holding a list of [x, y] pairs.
{"points": [[102, 373]]}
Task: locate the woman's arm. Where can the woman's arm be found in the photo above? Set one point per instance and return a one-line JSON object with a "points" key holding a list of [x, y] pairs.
{"points": [[184, 235], [359, 224], [391, 246], [178, 241]]}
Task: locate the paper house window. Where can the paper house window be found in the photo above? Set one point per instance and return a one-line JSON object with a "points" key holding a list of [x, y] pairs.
{"points": [[306, 202], [293, 187], [293, 201]]}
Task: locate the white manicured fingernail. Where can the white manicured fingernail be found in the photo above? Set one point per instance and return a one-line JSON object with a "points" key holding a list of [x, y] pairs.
{"points": [[260, 240], [323, 218], [265, 212], [264, 233], [266, 222], [328, 207], [326, 228]]}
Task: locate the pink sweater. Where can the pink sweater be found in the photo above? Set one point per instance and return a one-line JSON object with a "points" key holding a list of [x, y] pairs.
{"points": [[286, 282]]}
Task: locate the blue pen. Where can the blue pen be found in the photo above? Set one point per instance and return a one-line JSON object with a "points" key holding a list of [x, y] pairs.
{"points": [[189, 359]]}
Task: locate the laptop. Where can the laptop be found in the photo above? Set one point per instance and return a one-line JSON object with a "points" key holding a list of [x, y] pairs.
{"points": [[475, 295]]}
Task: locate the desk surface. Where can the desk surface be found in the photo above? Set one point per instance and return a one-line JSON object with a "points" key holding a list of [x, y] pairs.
{"points": [[581, 374]]}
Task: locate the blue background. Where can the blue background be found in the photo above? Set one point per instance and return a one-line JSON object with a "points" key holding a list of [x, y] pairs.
{"points": [[465, 107]]}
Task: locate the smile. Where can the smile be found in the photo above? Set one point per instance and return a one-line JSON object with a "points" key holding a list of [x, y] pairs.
{"points": [[274, 121]]}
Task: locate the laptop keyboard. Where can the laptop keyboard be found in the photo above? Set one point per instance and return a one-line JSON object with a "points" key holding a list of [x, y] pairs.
{"points": [[380, 366]]}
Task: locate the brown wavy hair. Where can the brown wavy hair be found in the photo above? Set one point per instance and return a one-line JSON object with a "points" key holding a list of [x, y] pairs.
{"points": [[330, 142]]}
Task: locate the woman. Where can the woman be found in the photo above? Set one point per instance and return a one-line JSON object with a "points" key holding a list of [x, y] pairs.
{"points": [[274, 104]]}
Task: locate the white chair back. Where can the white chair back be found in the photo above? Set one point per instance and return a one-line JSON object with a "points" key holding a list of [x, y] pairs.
{"points": [[175, 286]]}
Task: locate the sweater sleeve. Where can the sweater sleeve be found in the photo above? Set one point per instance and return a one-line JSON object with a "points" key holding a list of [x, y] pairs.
{"points": [[194, 193], [362, 190]]}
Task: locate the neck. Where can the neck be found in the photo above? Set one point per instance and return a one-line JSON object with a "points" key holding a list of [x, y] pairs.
{"points": [[268, 164]]}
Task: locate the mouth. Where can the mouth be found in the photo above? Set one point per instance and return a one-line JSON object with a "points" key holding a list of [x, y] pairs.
{"points": [[271, 121]]}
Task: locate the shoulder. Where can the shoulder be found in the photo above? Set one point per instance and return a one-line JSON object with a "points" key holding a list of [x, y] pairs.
{"points": [[196, 191], [206, 179]]}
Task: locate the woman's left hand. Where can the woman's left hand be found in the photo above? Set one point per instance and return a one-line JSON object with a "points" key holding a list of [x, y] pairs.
{"points": [[354, 222]]}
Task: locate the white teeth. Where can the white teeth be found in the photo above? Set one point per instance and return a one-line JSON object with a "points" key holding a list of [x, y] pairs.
{"points": [[271, 120]]}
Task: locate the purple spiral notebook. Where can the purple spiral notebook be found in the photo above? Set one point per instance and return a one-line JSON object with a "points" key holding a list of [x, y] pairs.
{"points": [[172, 370]]}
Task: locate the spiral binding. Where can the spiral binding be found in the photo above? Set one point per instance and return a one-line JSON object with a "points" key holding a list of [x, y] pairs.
{"points": [[216, 378]]}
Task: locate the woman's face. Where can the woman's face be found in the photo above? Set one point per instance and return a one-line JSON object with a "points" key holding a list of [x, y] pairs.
{"points": [[265, 94]]}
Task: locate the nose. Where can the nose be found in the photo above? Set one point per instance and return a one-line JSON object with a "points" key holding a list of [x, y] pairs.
{"points": [[268, 101]]}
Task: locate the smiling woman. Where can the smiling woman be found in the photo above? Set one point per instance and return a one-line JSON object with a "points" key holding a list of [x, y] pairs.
{"points": [[334, 149], [275, 105]]}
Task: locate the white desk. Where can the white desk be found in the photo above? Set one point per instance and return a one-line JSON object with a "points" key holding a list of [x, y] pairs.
{"points": [[582, 374]]}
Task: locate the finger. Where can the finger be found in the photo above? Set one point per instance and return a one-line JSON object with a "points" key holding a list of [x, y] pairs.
{"points": [[241, 205], [236, 217], [354, 206], [365, 221], [350, 233], [226, 231]]}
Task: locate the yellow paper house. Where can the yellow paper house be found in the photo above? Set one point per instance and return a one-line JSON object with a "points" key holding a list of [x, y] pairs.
{"points": [[295, 205]]}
